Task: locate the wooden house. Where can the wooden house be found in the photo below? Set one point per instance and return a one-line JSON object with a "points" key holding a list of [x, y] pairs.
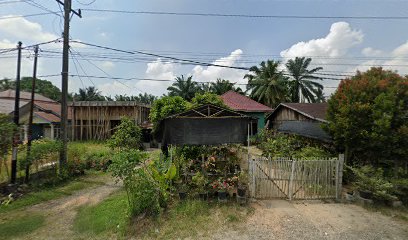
{"points": [[304, 119], [97, 120]]}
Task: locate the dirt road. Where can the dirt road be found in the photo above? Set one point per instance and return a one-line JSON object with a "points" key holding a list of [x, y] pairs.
{"points": [[60, 213], [279, 219]]}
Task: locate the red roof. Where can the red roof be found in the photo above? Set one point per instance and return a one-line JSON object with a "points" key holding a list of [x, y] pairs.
{"points": [[11, 94], [243, 103], [48, 117]]}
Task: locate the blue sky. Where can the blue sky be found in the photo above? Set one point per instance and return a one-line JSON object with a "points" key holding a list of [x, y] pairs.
{"points": [[340, 46]]}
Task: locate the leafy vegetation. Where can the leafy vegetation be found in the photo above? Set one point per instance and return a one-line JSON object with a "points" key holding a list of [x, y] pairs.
{"points": [[368, 117], [21, 226], [166, 106], [222, 86], [267, 83], [302, 86], [207, 98], [127, 135], [291, 146], [89, 94], [185, 88], [141, 98]]}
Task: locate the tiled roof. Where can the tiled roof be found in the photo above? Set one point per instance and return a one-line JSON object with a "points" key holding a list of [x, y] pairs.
{"points": [[312, 110], [48, 117], [10, 94], [243, 103]]}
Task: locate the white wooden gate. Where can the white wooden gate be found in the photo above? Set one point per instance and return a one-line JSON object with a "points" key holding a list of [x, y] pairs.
{"points": [[295, 179]]}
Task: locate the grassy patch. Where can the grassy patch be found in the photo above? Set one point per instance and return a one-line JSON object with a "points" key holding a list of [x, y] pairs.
{"points": [[108, 217], [65, 189], [21, 226], [395, 212], [192, 219]]}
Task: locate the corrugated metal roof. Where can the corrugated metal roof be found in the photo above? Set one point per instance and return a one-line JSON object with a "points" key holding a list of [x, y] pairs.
{"points": [[11, 94], [7, 105], [243, 103], [313, 110], [48, 117], [304, 128]]}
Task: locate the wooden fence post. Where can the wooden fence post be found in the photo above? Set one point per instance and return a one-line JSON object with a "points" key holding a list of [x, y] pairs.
{"points": [[291, 180], [339, 176]]}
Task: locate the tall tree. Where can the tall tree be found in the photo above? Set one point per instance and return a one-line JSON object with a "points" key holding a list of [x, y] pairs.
{"points": [[302, 86], [222, 86], [267, 84], [89, 94], [184, 87]]}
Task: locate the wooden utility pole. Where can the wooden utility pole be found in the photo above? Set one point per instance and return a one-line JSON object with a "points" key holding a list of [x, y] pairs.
{"points": [[30, 119], [64, 86], [16, 136]]}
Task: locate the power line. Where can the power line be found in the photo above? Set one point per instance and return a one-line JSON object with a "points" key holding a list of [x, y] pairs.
{"points": [[246, 15], [27, 15]]}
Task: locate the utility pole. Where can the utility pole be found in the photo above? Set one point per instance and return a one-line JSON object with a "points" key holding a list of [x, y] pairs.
{"points": [[64, 86], [30, 119], [16, 136]]}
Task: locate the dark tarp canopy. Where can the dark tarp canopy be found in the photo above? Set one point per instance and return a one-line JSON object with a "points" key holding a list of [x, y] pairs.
{"points": [[305, 128], [205, 125]]}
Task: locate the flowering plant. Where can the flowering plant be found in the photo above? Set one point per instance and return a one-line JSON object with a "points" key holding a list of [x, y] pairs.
{"points": [[222, 184]]}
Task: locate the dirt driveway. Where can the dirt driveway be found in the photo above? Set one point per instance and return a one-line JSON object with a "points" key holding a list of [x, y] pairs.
{"points": [[279, 219]]}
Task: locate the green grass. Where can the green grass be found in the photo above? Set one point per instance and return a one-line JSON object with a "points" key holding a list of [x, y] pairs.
{"points": [[20, 226], [192, 219], [107, 218], [65, 189]]}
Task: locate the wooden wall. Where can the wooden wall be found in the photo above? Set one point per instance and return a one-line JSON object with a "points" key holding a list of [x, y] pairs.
{"points": [[286, 114], [96, 120]]}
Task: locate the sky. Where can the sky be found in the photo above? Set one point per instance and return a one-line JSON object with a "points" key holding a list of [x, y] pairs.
{"points": [[339, 45]]}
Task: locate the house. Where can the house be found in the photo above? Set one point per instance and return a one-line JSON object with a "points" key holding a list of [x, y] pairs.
{"points": [[97, 120], [46, 115], [304, 119], [247, 106]]}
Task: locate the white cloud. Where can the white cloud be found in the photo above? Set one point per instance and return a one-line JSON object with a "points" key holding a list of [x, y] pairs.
{"points": [[23, 29], [158, 70], [371, 52], [211, 73], [116, 88], [337, 43], [108, 65]]}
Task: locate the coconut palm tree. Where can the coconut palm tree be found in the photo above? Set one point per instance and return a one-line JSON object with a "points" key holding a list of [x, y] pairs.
{"points": [[184, 87], [267, 84], [222, 86], [89, 94], [302, 85]]}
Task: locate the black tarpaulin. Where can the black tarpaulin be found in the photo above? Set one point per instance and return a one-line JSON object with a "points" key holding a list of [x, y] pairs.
{"points": [[205, 125]]}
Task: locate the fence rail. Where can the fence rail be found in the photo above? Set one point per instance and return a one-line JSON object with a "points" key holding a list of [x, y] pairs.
{"points": [[295, 178]]}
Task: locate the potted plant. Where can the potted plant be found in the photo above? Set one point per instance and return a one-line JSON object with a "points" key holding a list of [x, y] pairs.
{"points": [[222, 187], [183, 191], [242, 183], [200, 182]]}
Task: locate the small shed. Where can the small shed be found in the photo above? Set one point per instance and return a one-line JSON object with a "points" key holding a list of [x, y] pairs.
{"points": [[304, 119], [247, 106], [205, 125]]}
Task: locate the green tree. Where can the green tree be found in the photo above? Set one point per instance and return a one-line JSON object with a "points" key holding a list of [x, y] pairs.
{"points": [[7, 128], [127, 135], [207, 98], [267, 84], [43, 87], [184, 87], [89, 94], [166, 106], [368, 116], [302, 86], [222, 86]]}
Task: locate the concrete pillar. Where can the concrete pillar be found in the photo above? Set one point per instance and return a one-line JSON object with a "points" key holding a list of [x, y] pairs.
{"points": [[25, 133], [52, 131]]}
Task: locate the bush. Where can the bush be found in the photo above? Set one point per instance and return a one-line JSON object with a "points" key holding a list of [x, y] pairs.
{"points": [[144, 193], [372, 181], [42, 151], [127, 136]]}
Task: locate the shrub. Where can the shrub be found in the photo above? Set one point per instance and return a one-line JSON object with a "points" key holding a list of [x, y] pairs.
{"points": [[371, 180], [127, 136], [166, 106], [42, 151], [207, 98]]}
